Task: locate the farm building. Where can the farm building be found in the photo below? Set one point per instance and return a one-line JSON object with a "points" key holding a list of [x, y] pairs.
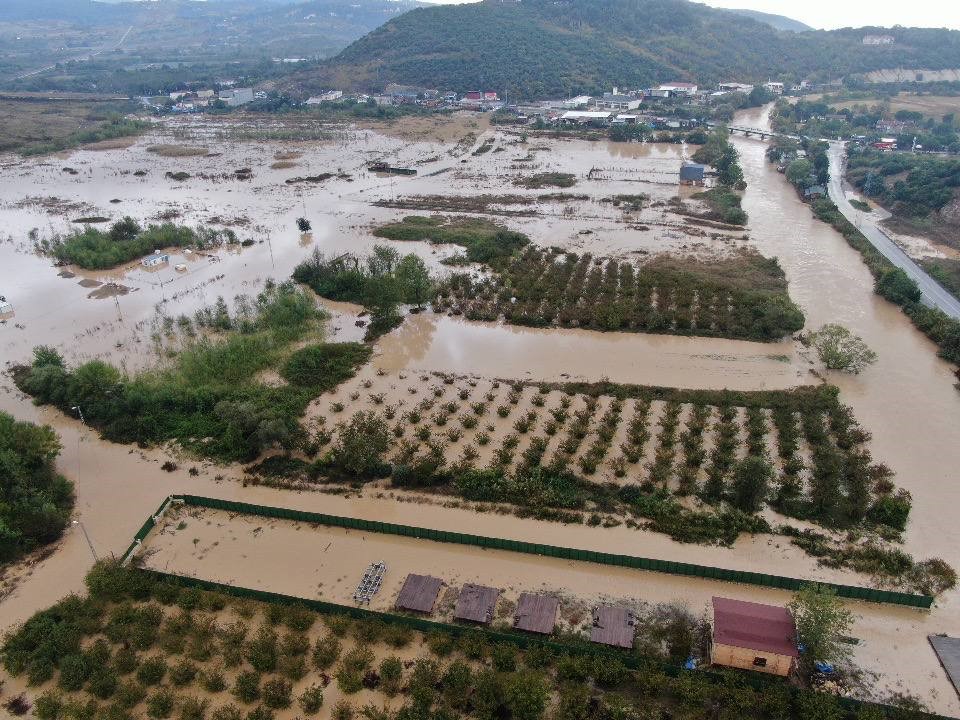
{"points": [[614, 626], [580, 117], [536, 613], [692, 173], [419, 593], [476, 603], [753, 636], [158, 258]]}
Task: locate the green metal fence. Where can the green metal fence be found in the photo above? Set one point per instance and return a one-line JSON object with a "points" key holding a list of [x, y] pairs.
{"points": [[640, 563]]}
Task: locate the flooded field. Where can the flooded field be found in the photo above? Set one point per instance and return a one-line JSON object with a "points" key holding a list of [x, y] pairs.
{"points": [[907, 400], [257, 553]]}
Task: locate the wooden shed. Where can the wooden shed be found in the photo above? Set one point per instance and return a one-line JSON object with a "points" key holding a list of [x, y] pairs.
{"points": [[419, 593], [612, 625], [536, 613], [476, 603], [752, 636]]}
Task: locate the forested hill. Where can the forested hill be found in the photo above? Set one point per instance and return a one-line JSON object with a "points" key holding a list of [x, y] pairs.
{"points": [[778, 22], [537, 48]]}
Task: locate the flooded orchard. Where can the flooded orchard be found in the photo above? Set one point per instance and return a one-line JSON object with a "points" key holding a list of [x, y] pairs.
{"points": [[906, 400]]}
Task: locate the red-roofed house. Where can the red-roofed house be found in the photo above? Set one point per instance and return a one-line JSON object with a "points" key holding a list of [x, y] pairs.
{"points": [[752, 636]]}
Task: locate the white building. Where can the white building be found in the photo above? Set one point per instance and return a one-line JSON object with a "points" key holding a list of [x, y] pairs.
{"points": [[237, 96], [331, 96], [775, 87], [735, 87], [679, 88], [612, 101], [158, 258], [585, 116], [878, 40], [577, 102]]}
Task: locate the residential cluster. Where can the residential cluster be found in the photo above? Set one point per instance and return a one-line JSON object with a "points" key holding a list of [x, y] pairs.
{"points": [[227, 95]]}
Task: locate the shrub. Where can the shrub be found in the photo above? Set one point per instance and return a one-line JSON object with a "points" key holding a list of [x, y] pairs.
{"points": [[276, 693], [391, 672], [261, 651], [246, 686], [751, 479], [183, 673], [326, 651], [361, 445], [839, 349], [193, 708], [152, 670], [311, 699], [342, 711], [227, 712], [160, 703], [324, 366]]}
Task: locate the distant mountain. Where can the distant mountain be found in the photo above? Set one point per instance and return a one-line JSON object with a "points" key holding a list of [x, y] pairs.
{"points": [[173, 28], [777, 22], [537, 48]]}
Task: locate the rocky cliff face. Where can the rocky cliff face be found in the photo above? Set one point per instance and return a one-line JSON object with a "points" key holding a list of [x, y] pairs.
{"points": [[950, 213]]}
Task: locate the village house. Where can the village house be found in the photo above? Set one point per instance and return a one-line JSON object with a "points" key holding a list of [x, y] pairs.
{"points": [[692, 173], [753, 636], [775, 87], [581, 101], [237, 96], [585, 117], [726, 87], [678, 89], [330, 96], [615, 101]]}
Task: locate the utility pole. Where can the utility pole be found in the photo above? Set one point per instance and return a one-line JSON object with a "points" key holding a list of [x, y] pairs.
{"points": [[83, 528]]}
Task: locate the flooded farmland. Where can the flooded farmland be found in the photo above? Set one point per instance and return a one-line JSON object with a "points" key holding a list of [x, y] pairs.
{"points": [[906, 400]]}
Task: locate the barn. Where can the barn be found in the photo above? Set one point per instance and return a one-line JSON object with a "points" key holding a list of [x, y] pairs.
{"points": [[752, 636]]}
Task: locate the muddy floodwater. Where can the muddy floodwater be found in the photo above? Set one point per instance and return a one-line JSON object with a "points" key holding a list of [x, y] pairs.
{"points": [[256, 552], [907, 400]]}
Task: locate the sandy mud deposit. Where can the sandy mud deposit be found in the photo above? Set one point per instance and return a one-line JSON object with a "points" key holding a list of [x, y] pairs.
{"points": [[256, 553], [906, 401]]}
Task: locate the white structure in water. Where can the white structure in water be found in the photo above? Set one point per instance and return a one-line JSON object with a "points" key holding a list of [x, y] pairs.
{"points": [[154, 260]]}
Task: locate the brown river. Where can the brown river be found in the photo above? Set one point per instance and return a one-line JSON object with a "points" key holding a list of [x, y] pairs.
{"points": [[907, 400]]}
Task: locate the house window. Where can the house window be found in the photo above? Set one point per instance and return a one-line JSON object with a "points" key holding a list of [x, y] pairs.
{"points": [[759, 662]]}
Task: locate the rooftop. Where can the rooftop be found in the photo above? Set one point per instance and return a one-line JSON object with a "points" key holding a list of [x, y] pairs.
{"points": [[476, 603], [585, 115], [754, 626], [613, 626], [536, 613], [419, 593]]}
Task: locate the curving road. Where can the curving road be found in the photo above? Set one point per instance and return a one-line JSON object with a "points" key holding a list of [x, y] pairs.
{"points": [[934, 294]]}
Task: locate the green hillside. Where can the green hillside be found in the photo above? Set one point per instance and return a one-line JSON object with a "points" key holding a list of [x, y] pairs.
{"points": [[777, 22], [553, 47]]}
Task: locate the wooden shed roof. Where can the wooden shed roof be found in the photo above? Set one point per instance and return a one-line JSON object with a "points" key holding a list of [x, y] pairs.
{"points": [[419, 593], [767, 628], [536, 613], [613, 625], [476, 603]]}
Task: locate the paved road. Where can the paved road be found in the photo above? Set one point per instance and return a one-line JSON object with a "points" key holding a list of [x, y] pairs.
{"points": [[934, 294], [84, 58]]}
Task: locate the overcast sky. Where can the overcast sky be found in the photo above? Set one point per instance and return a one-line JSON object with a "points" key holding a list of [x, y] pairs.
{"points": [[850, 13]]}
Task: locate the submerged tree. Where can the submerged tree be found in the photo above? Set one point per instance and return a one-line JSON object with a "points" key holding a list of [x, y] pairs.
{"points": [[822, 621], [839, 349]]}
